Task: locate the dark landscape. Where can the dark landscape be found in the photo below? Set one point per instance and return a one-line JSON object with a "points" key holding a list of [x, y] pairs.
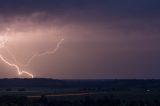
{"points": [[51, 92]]}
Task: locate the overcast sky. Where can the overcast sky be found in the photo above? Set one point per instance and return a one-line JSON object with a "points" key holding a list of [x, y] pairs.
{"points": [[103, 39]]}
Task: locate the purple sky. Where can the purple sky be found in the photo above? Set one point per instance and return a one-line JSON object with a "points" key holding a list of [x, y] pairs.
{"points": [[104, 39]]}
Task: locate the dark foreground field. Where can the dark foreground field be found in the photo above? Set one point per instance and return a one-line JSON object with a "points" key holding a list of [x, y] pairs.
{"points": [[49, 92]]}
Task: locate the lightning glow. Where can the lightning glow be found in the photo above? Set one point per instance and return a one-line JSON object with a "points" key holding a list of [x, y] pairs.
{"points": [[16, 67], [2, 45], [4, 39], [11, 54], [20, 72]]}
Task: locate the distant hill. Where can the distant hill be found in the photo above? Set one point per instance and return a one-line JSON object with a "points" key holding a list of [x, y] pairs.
{"points": [[45, 82], [27, 82]]}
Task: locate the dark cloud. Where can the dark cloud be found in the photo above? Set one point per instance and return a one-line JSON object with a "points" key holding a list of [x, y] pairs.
{"points": [[103, 38]]}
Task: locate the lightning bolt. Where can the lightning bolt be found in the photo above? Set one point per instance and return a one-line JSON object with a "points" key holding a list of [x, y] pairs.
{"points": [[2, 45], [16, 67], [20, 72], [42, 54]]}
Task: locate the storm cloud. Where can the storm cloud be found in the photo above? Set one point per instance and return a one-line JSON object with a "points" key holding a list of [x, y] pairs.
{"points": [[103, 39]]}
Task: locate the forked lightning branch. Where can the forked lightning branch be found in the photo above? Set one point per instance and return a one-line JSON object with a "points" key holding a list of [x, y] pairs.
{"points": [[17, 65]]}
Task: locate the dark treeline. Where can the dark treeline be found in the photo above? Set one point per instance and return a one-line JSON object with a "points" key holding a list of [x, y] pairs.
{"points": [[87, 101], [44, 82]]}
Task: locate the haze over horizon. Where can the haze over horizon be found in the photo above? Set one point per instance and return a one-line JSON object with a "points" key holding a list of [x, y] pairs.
{"points": [[103, 39]]}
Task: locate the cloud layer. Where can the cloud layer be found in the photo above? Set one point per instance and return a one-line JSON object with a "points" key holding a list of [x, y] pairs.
{"points": [[103, 39]]}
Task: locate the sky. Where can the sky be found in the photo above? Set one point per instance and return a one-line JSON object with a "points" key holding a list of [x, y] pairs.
{"points": [[103, 39]]}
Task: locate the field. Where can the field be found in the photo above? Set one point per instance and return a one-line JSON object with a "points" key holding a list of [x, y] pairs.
{"points": [[49, 92]]}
